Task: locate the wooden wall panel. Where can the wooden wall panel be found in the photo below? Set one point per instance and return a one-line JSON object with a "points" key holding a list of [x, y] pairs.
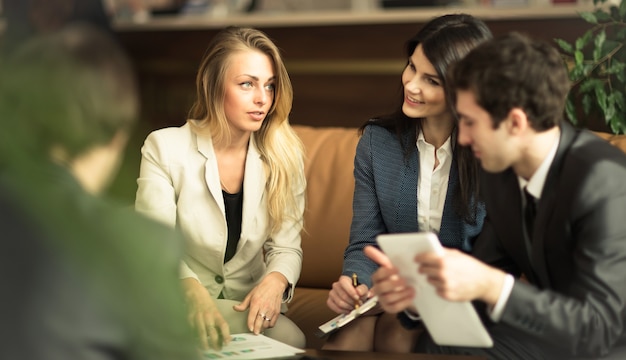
{"points": [[341, 74]]}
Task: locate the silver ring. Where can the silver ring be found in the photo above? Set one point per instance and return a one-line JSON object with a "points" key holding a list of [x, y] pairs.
{"points": [[267, 318], [262, 315]]}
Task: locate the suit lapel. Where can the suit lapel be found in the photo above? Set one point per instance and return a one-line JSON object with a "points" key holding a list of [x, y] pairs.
{"points": [[406, 193], [547, 203], [512, 206], [254, 181], [205, 147]]}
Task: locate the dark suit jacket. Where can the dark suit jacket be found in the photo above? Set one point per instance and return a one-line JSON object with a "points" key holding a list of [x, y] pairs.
{"points": [[84, 279], [385, 200], [575, 302]]}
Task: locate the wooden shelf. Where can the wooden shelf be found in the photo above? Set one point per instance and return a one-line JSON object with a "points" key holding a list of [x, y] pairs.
{"points": [[339, 18]]}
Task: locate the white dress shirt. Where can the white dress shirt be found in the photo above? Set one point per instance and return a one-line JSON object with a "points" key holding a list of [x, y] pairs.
{"points": [[432, 183]]}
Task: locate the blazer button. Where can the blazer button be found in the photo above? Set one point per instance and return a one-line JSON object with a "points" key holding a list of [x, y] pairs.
{"points": [[219, 279]]}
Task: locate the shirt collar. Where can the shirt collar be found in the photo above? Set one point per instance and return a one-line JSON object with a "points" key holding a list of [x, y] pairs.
{"points": [[447, 145], [535, 184]]}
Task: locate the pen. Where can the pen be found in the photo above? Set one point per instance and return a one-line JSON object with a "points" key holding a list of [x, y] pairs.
{"points": [[355, 283]]}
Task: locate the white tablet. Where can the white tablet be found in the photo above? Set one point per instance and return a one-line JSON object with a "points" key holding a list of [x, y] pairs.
{"points": [[450, 323]]}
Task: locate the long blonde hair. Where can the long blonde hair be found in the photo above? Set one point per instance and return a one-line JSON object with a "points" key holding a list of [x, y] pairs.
{"points": [[280, 148]]}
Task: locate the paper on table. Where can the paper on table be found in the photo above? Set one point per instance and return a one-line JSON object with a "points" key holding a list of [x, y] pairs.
{"points": [[250, 346]]}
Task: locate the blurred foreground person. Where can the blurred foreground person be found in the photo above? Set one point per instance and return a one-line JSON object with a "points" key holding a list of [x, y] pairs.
{"points": [[81, 277]]}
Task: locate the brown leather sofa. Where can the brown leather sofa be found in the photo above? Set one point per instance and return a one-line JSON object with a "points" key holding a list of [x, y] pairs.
{"points": [[329, 169]]}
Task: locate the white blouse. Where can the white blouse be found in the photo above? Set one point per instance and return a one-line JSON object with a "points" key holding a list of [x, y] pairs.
{"points": [[432, 183]]}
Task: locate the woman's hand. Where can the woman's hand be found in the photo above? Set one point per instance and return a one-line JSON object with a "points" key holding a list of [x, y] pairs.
{"points": [[344, 297], [264, 302], [204, 316]]}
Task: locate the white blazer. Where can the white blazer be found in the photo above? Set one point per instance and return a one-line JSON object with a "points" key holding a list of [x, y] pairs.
{"points": [[179, 184]]}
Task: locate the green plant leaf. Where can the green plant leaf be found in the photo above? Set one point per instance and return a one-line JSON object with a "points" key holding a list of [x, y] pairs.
{"points": [[577, 72], [597, 67], [599, 44], [616, 125], [609, 110], [618, 69], [602, 16], [601, 98], [570, 110], [589, 17], [582, 41], [620, 100], [591, 84], [588, 68], [579, 57], [611, 45], [565, 46]]}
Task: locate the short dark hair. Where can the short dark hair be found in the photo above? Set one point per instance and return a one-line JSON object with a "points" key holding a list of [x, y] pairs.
{"points": [[515, 71], [74, 88]]}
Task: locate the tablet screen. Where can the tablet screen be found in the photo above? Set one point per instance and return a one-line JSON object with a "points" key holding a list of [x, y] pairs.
{"points": [[450, 323]]}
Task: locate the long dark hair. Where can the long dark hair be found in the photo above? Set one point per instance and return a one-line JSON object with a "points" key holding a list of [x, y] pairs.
{"points": [[445, 40]]}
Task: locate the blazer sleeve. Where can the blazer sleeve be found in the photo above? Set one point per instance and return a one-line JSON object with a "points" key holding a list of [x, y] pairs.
{"points": [[283, 251], [156, 195], [367, 221]]}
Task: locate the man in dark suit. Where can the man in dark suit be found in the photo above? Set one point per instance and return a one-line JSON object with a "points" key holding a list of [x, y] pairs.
{"points": [[81, 278], [567, 237]]}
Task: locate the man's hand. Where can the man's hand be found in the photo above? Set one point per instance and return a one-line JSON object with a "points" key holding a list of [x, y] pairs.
{"points": [[394, 294], [461, 277]]}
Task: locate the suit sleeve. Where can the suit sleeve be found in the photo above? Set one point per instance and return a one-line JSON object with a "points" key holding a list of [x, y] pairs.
{"points": [[156, 195], [367, 221], [582, 316], [284, 250]]}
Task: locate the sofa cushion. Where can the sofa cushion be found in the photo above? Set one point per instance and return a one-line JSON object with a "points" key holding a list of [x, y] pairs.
{"points": [[329, 166], [308, 310]]}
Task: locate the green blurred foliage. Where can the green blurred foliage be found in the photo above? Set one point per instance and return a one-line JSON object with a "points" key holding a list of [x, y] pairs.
{"points": [[596, 63]]}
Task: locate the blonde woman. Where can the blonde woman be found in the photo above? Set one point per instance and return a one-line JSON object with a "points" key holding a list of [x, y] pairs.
{"points": [[232, 180]]}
